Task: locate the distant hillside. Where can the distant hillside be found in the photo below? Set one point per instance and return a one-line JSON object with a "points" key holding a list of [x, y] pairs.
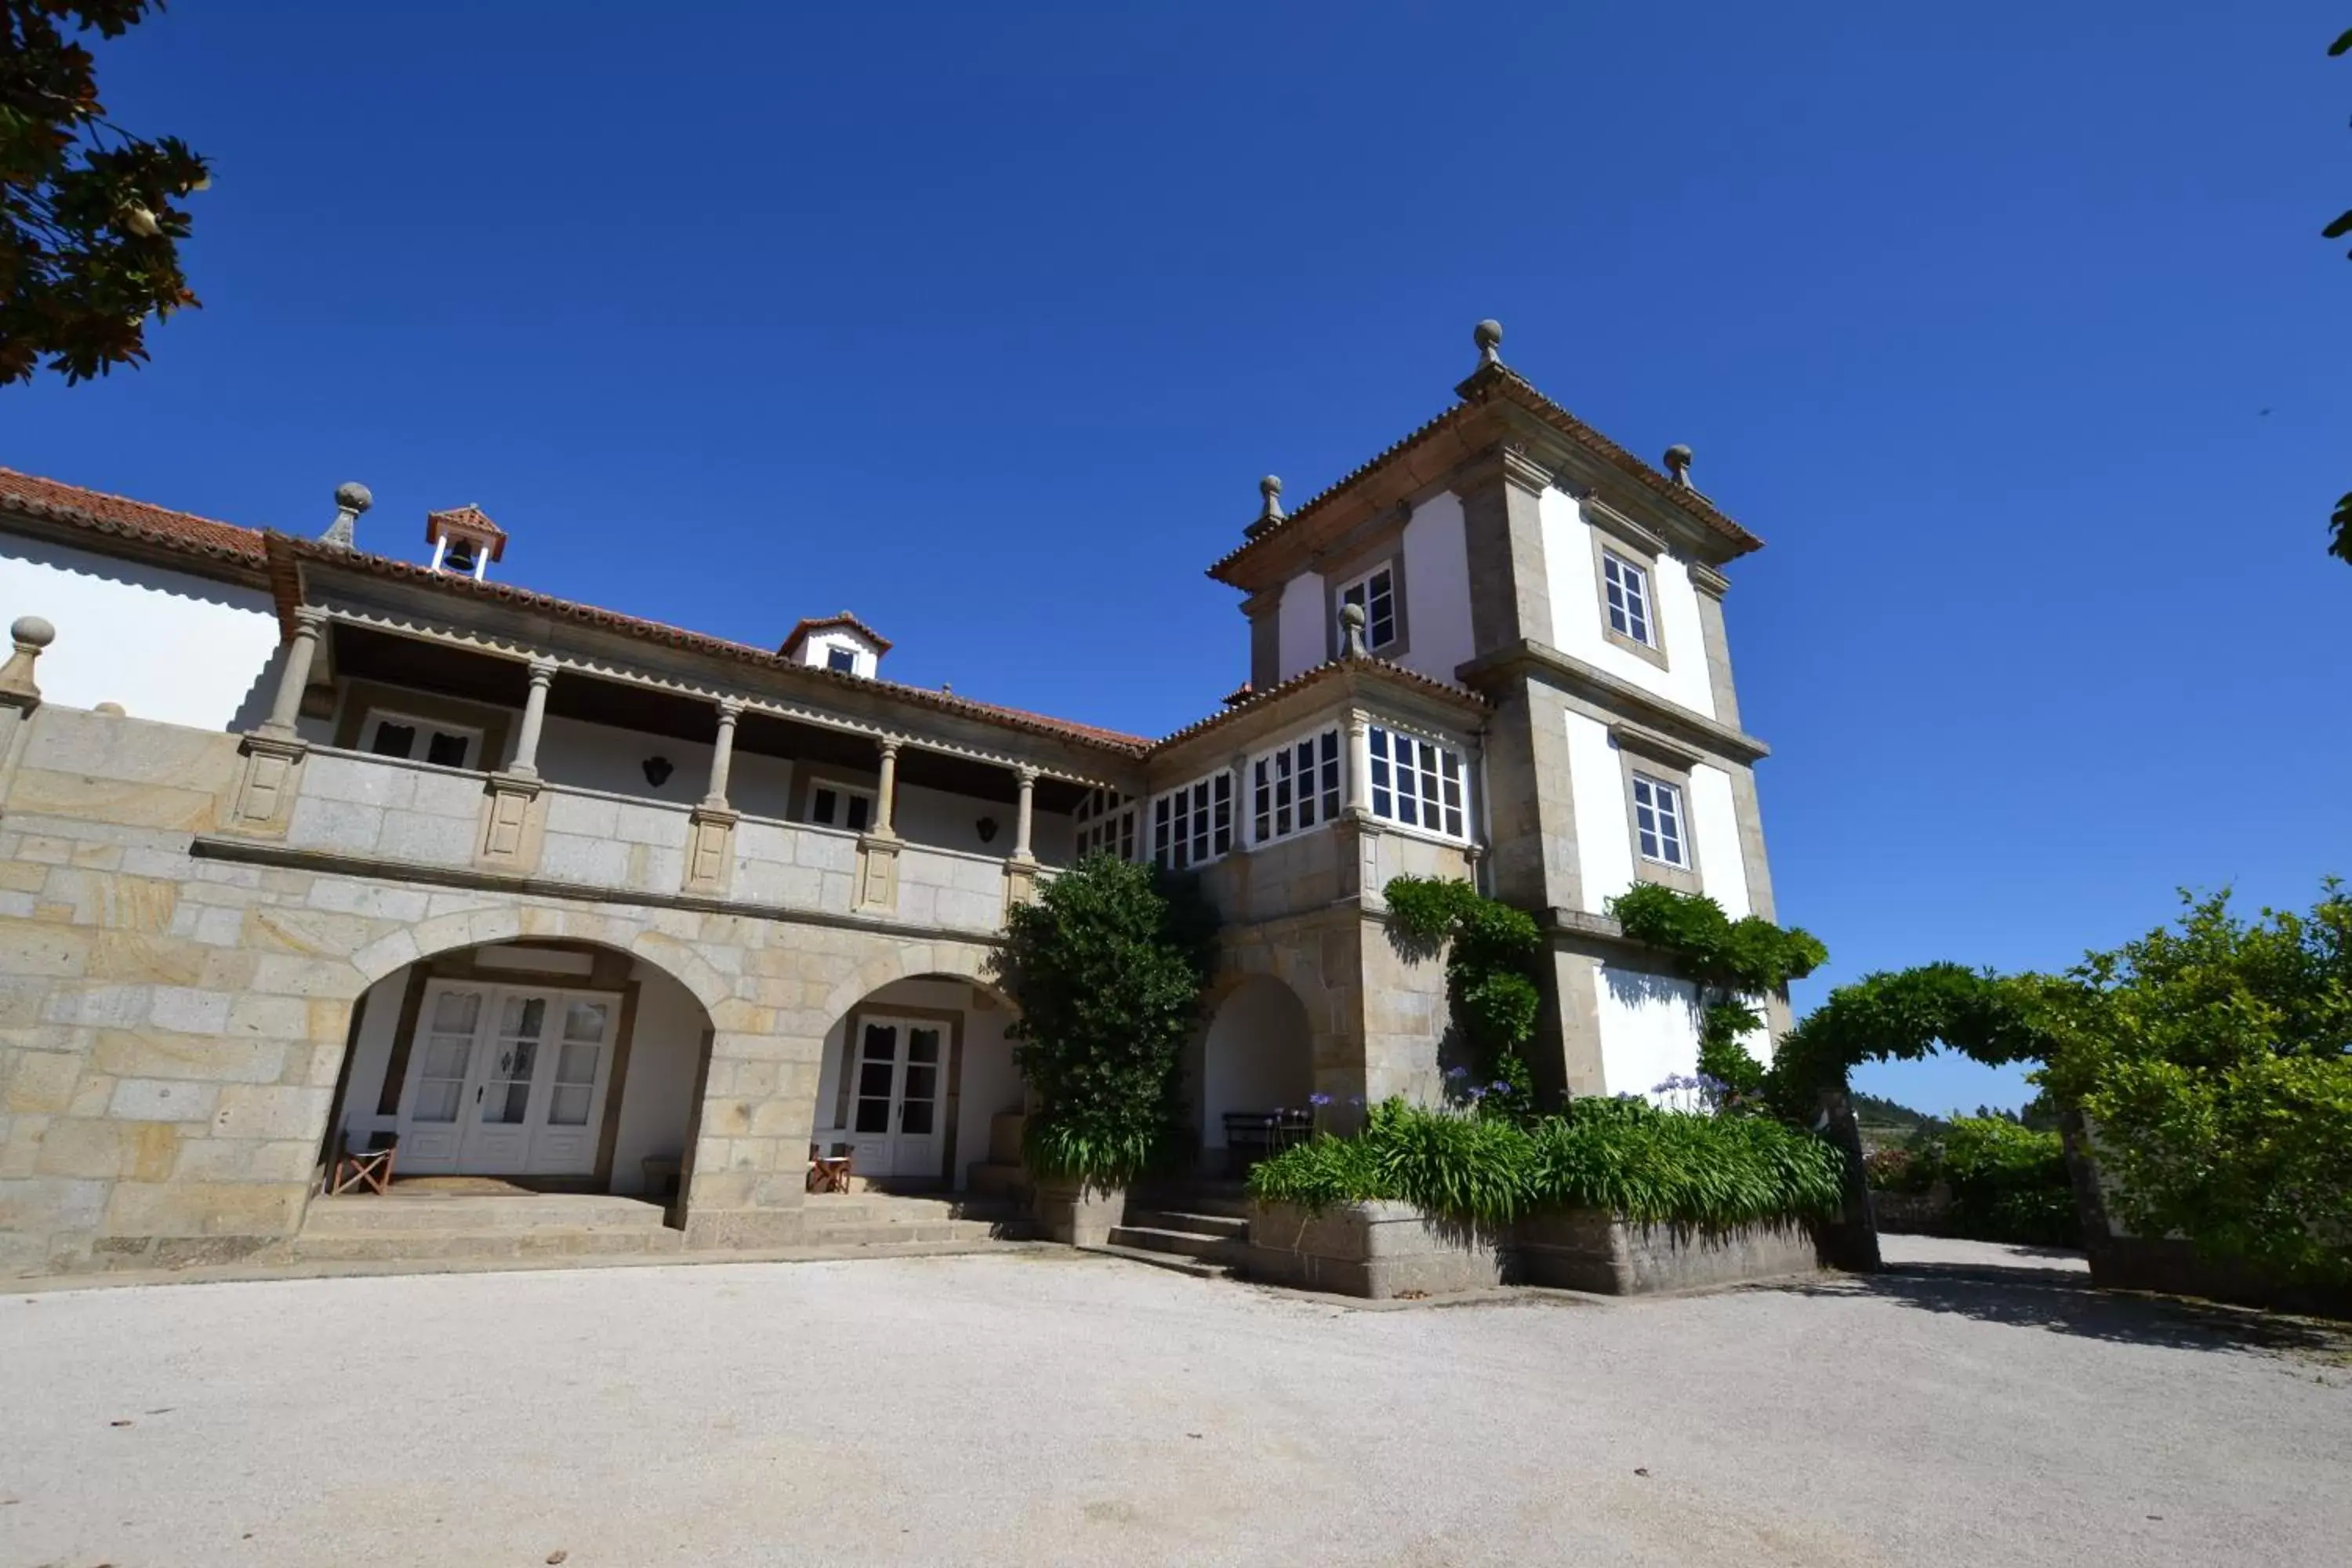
{"points": [[1883, 1120]]}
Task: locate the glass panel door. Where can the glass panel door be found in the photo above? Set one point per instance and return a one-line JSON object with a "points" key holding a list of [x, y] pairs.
{"points": [[578, 1064], [443, 1058], [498, 1137], [918, 1149]]}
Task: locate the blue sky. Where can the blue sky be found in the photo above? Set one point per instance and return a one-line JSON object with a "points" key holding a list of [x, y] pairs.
{"points": [[2009, 330]]}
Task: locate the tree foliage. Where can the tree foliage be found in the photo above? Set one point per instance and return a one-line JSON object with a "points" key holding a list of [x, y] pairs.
{"points": [[1490, 978], [1905, 1016], [2214, 1063], [2340, 545], [90, 225], [1106, 967]]}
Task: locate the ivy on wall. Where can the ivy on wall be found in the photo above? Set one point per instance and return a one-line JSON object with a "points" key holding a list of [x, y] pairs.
{"points": [[1728, 960], [1492, 951]]}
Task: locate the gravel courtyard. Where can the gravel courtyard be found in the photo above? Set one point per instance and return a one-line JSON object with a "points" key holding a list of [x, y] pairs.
{"points": [[1048, 1408]]}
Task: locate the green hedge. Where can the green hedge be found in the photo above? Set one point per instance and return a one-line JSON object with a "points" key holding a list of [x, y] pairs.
{"points": [[1622, 1155], [2007, 1183]]}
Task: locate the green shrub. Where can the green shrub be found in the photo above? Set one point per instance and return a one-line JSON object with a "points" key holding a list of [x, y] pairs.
{"points": [[1622, 1155], [2009, 1183], [1491, 954], [1106, 967]]}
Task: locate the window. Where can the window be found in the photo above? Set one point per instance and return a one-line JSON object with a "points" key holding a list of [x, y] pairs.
{"points": [[842, 659], [837, 805], [1628, 590], [1658, 821], [1194, 826], [1105, 821], [1296, 787], [1375, 593], [1416, 782], [419, 740]]}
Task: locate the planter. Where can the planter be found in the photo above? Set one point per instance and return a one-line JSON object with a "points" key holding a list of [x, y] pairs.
{"points": [[1376, 1250], [1078, 1214], [1586, 1249]]}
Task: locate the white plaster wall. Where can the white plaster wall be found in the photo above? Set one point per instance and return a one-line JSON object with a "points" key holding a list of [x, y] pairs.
{"points": [[371, 1054], [1715, 830], [1258, 1055], [1596, 781], [1304, 640], [167, 646], [987, 1083], [1649, 1028], [665, 1056], [818, 648], [1576, 611], [605, 757], [1437, 589]]}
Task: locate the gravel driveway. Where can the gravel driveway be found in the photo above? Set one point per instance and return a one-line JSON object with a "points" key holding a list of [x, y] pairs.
{"points": [[1048, 1407]]}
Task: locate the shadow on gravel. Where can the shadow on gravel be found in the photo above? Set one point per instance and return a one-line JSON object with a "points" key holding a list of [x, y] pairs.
{"points": [[2063, 1302]]}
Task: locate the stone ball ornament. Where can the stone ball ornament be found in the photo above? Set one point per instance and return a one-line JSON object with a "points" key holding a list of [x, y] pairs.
{"points": [[353, 496], [33, 631]]}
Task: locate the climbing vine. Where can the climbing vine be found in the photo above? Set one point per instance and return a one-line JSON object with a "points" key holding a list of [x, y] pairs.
{"points": [[1729, 960], [1490, 981], [1904, 1016]]}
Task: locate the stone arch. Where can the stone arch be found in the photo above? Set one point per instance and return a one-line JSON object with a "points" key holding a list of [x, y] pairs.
{"points": [[497, 923], [912, 961], [1256, 1056]]}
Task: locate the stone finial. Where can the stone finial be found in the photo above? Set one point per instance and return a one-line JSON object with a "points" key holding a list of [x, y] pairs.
{"points": [[1270, 514], [1352, 632], [1488, 336], [31, 635], [351, 498], [1679, 462]]}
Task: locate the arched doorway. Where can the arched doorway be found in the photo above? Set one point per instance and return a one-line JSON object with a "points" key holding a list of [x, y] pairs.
{"points": [[917, 1088], [547, 1065], [1257, 1059]]}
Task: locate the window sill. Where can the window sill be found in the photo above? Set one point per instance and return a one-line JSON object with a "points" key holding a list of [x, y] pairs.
{"points": [[1633, 646]]}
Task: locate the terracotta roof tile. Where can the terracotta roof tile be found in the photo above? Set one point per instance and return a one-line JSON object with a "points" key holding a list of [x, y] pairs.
{"points": [[1500, 380], [701, 642], [800, 633], [470, 520], [1324, 672], [120, 516]]}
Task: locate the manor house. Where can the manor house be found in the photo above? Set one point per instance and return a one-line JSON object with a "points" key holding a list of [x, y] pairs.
{"points": [[315, 843]]}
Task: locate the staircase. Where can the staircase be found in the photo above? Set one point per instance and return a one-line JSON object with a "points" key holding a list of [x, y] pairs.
{"points": [[416, 1226], [874, 1218], [1197, 1227]]}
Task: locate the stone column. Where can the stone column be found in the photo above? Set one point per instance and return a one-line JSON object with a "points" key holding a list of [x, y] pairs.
{"points": [[1360, 764], [534, 719], [877, 851], [1020, 869], [710, 827], [885, 796], [274, 753], [308, 624], [722, 753]]}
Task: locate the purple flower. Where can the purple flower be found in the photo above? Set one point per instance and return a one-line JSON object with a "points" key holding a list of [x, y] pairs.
{"points": [[1474, 1092], [1499, 1087], [1457, 1072], [1318, 1099]]}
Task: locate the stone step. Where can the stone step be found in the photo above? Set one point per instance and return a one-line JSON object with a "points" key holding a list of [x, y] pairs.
{"points": [[372, 1215], [422, 1245], [1198, 1267], [905, 1232], [1232, 1226], [830, 1211], [1183, 1243], [1229, 1200]]}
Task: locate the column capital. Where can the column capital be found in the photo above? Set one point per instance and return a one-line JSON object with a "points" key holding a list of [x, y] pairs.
{"points": [[309, 618], [889, 744], [1025, 774], [729, 710], [542, 669]]}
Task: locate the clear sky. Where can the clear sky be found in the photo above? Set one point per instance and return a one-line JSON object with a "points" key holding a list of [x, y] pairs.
{"points": [[2007, 327]]}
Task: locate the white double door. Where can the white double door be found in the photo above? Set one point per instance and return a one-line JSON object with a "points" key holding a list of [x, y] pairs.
{"points": [[897, 1089], [507, 1080]]}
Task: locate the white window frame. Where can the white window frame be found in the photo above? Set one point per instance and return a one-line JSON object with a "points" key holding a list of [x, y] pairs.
{"points": [[1298, 787], [425, 730], [842, 793], [1360, 587], [1662, 823], [841, 658], [1632, 608], [1412, 777], [1107, 824], [1194, 826]]}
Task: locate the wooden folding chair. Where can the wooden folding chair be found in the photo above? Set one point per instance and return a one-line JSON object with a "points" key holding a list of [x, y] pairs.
{"points": [[830, 1172], [370, 1167]]}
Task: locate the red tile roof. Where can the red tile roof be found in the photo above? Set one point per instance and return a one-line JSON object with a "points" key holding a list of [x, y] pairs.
{"points": [[1327, 670], [800, 633], [1500, 381], [127, 518], [469, 520]]}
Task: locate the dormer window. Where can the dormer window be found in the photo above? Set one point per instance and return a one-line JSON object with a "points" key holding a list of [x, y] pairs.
{"points": [[842, 644]]}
